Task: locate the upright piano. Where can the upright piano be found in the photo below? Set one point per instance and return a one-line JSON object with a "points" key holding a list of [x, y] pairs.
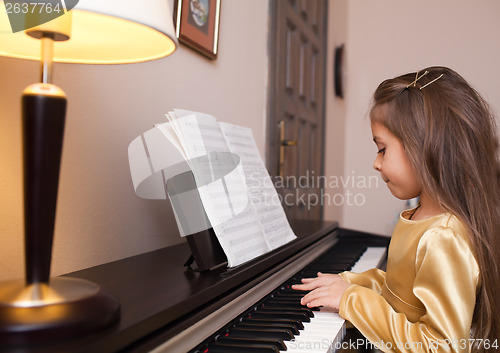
{"points": [[166, 307]]}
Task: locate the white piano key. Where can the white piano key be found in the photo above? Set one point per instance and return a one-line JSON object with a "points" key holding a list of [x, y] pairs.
{"points": [[317, 337], [324, 324], [370, 259]]}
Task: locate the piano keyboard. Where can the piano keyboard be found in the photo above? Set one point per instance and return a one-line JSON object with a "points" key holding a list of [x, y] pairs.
{"points": [[277, 322], [327, 329]]}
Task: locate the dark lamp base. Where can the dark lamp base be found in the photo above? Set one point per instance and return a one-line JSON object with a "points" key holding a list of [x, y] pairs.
{"points": [[68, 307]]}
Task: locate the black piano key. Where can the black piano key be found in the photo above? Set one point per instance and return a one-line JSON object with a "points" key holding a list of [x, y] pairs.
{"points": [[298, 311], [288, 297], [350, 257], [287, 290], [337, 258], [224, 347], [326, 269], [285, 314], [292, 303], [256, 333], [245, 341], [340, 264], [286, 331], [270, 324], [283, 300], [341, 255], [290, 293], [279, 320], [286, 307], [335, 261], [332, 262]]}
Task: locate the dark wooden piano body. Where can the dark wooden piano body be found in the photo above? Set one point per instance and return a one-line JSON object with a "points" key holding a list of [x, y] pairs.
{"points": [[160, 298]]}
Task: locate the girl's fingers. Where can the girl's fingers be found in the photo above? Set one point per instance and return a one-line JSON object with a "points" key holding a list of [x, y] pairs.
{"points": [[319, 301], [307, 280], [315, 303], [311, 296], [305, 286], [323, 279], [328, 296]]}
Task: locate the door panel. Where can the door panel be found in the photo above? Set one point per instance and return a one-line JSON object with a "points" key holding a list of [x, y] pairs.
{"points": [[296, 117]]}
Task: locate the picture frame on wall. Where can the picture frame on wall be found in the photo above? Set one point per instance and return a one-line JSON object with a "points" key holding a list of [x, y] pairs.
{"points": [[197, 25]]}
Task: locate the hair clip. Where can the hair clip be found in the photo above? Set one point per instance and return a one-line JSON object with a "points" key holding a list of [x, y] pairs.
{"points": [[428, 83], [414, 83]]}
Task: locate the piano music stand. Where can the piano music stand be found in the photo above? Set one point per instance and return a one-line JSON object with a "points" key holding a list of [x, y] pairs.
{"points": [[206, 250], [205, 247]]}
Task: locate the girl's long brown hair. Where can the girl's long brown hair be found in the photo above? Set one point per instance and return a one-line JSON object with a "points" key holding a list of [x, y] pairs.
{"points": [[449, 136]]}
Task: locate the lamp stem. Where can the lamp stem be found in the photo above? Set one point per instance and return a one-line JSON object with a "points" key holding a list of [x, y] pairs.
{"points": [[46, 58], [44, 111]]}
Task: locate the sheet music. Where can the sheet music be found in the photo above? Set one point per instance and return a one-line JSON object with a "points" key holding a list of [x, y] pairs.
{"points": [[168, 130], [263, 195], [221, 185]]}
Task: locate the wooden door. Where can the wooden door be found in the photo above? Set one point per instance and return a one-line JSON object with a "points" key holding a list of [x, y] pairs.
{"points": [[296, 116]]}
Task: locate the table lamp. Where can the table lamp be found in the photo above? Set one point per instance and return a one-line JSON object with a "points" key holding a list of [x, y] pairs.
{"points": [[41, 308]]}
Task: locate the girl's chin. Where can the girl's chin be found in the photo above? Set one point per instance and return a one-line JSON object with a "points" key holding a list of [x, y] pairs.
{"points": [[397, 193]]}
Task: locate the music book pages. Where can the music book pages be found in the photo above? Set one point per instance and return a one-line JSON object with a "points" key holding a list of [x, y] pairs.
{"points": [[234, 186]]}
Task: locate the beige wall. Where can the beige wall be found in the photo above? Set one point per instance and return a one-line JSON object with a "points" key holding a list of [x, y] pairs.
{"points": [[385, 38], [335, 123], [99, 217]]}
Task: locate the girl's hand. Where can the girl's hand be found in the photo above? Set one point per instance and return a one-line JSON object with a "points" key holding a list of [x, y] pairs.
{"points": [[327, 290], [323, 279]]}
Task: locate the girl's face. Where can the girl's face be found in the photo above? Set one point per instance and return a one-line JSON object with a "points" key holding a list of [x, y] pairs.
{"points": [[393, 165]]}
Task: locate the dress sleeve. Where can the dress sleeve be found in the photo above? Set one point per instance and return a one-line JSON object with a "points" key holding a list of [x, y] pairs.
{"points": [[372, 279], [445, 283]]}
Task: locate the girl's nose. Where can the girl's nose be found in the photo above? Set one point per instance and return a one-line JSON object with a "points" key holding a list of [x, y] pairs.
{"points": [[377, 164]]}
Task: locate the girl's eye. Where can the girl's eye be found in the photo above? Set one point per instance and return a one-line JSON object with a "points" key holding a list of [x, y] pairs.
{"points": [[382, 150]]}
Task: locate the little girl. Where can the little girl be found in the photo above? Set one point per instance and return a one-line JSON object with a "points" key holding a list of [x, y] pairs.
{"points": [[436, 139]]}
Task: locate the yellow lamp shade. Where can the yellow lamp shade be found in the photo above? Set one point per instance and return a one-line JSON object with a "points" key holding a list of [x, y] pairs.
{"points": [[102, 32]]}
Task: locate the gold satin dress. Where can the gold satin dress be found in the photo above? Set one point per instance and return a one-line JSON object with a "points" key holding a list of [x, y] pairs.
{"points": [[425, 300]]}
